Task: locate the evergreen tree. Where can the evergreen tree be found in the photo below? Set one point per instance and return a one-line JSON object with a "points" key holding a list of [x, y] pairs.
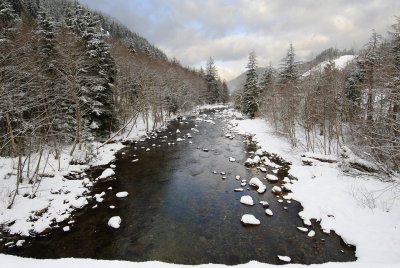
{"points": [[289, 67], [212, 82], [267, 80], [251, 90]]}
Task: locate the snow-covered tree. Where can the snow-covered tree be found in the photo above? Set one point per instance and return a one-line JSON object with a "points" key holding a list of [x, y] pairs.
{"points": [[289, 67], [251, 91]]}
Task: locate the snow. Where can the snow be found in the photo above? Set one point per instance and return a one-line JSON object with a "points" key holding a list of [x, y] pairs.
{"points": [[272, 178], [121, 194], [311, 233], [106, 173], [269, 212], [276, 190], [249, 219], [257, 183], [247, 200], [284, 258], [303, 229], [362, 209], [114, 222]]}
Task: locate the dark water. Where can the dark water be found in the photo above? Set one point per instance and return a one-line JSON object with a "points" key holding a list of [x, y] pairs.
{"points": [[179, 211]]}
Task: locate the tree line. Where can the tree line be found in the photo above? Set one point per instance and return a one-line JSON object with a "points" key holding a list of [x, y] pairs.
{"points": [[356, 106]]}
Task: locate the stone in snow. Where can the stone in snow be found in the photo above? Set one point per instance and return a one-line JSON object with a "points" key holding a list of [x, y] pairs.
{"points": [[276, 190], [223, 173], [248, 219], [311, 233], [243, 184], [259, 152], [269, 212], [263, 169], [215, 172], [238, 190], [190, 142], [189, 136], [113, 166], [280, 200], [303, 229], [224, 177], [20, 243], [121, 194], [247, 200], [264, 204], [114, 222], [284, 258], [205, 150], [237, 177], [231, 159], [179, 139], [106, 173], [135, 160], [66, 228], [178, 131], [272, 178], [257, 183], [148, 149], [256, 159]]}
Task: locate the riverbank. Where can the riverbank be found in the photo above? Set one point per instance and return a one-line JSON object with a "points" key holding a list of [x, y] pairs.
{"points": [[362, 209], [62, 188]]}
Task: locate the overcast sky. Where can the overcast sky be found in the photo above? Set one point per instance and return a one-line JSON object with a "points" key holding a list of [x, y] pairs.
{"points": [[228, 30]]}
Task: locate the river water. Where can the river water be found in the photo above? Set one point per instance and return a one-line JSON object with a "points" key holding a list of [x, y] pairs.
{"points": [[179, 211]]}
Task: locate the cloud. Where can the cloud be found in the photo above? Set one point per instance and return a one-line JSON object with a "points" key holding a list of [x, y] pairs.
{"points": [[227, 30]]}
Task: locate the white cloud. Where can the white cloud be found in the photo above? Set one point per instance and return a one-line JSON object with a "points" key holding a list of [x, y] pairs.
{"points": [[227, 30]]}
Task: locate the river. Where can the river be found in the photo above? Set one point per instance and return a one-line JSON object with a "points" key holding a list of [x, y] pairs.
{"points": [[179, 211]]}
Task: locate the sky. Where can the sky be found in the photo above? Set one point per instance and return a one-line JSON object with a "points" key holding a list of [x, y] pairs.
{"points": [[228, 30]]}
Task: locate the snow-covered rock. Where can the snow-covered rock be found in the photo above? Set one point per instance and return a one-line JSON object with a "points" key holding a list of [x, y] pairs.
{"points": [[231, 159], [269, 212], [113, 166], [276, 190], [237, 177], [66, 228], [121, 194], [311, 233], [108, 172], [135, 160], [284, 258], [272, 178], [247, 200], [99, 197], [238, 190], [259, 152], [257, 183], [265, 204], [263, 169], [114, 222], [179, 139], [248, 219], [303, 229], [178, 131]]}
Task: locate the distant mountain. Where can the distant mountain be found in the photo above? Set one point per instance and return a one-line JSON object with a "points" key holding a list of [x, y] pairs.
{"points": [[306, 68], [340, 63]]}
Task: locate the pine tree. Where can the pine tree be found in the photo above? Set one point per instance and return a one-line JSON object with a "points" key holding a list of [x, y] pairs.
{"points": [[289, 67], [212, 82], [251, 90], [267, 80]]}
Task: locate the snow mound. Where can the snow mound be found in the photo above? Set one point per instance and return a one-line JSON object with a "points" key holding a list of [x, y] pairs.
{"points": [[121, 194], [114, 222], [247, 200], [257, 183], [106, 173], [248, 219]]}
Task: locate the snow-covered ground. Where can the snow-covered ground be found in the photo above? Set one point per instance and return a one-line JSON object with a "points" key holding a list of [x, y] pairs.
{"points": [[364, 211], [55, 196]]}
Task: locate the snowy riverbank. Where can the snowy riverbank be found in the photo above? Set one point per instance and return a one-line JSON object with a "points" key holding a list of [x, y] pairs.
{"points": [[363, 210]]}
